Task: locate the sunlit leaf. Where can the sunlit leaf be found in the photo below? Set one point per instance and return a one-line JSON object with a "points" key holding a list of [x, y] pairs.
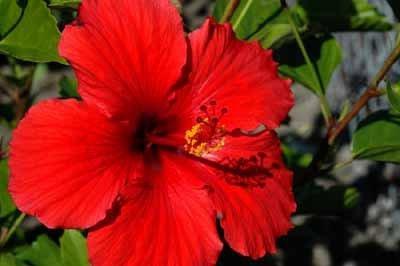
{"points": [[28, 32], [73, 249], [377, 138], [393, 93], [264, 21], [326, 55], [267, 22]]}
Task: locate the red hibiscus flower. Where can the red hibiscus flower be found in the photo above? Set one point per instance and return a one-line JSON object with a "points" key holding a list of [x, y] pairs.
{"points": [[174, 133]]}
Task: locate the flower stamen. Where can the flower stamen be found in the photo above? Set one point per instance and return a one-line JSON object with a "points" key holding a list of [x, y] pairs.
{"points": [[207, 135]]}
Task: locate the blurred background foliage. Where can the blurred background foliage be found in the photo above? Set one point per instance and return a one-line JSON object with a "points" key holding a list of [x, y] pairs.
{"points": [[348, 207]]}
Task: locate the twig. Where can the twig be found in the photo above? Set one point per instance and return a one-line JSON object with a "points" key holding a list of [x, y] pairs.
{"points": [[333, 132], [364, 99], [370, 93], [326, 111], [229, 10], [14, 227]]}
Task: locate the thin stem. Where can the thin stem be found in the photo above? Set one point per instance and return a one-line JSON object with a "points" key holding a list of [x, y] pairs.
{"points": [[373, 91], [14, 227], [229, 10], [370, 93], [364, 99], [326, 111], [392, 58], [343, 164]]}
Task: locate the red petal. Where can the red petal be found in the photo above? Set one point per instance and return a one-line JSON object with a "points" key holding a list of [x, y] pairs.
{"points": [[253, 192], [126, 55], [168, 222], [253, 218], [239, 76], [68, 163]]}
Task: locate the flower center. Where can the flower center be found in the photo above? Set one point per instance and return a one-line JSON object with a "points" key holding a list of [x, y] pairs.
{"points": [[207, 135], [150, 131]]}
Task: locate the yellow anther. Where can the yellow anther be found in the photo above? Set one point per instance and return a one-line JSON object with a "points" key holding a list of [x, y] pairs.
{"points": [[204, 138]]}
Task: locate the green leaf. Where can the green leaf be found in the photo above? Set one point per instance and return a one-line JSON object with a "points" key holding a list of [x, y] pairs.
{"points": [[344, 15], [330, 201], [28, 32], [250, 15], [7, 206], [324, 52], [7, 259], [295, 159], [377, 137], [73, 249], [277, 31], [10, 12], [43, 252], [219, 9], [393, 93], [68, 87], [265, 21], [65, 3], [395, 4]]}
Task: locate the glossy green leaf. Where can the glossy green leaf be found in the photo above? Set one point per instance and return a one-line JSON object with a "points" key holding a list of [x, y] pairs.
{"points": [[64, 3], [324, 52], [219, 8], [344, 15], [7, 205], [265, 21], [393, 93], [377, 138], [43, 252], [29, 31], [276, 32], [10, 14], [68, 87], [250, 16], [7, 259], [73, 249]]}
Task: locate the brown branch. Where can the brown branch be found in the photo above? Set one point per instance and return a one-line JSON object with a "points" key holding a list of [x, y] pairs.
{"points": [[333, 132], [230, 9], [364, 99], [370, 93]]}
